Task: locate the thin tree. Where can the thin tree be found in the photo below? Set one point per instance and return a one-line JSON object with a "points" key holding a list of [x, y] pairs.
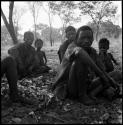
{"points": [[48, 10], [17, 14], [98, 11], [66, 11], [34, 7], [9, 24]]}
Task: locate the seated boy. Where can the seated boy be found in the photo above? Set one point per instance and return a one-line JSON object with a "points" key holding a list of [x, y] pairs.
{"points": [[70, 35], [41, 56], [79, 59], [25, 55], [20, 62], [106, 57]]}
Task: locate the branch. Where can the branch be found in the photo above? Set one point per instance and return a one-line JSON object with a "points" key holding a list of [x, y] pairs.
{"points": [[44, 8], [4, 18], [92, 18], [11, 5]]}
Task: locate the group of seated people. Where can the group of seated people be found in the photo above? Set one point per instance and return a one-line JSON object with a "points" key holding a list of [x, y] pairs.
{"points": [[83, 73]]}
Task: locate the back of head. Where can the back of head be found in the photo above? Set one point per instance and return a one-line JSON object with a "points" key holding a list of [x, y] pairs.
{"points": [[70, 28], [104, 43]]}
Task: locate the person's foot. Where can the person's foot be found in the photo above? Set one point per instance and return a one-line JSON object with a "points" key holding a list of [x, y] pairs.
{"points": [[87, 101]]}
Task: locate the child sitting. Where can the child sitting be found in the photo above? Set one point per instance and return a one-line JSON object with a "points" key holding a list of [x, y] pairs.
{"points": [[41, 55], [106, 57], [70, 35]]}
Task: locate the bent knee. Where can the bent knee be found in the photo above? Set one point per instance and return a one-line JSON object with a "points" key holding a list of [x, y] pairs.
{"points": [[79, 67], [10, 61]]}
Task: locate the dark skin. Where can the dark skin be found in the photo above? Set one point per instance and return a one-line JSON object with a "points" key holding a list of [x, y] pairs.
{"points": [[39, 45], [107, 58], [24, 55], [70, 35], [84, 40], [11, 65]]}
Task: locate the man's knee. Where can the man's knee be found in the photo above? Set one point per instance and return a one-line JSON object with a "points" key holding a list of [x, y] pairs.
{"points": [[79, 66], [8, 64], [9, 60], [76, 63]]}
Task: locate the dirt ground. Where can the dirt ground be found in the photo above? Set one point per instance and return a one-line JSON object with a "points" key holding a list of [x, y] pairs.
{"points": [[55, 112]]}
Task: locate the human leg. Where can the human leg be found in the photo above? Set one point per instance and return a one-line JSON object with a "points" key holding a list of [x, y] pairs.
{"points": [[8, 67], [97, 87], [77, 85], [72, 87]]}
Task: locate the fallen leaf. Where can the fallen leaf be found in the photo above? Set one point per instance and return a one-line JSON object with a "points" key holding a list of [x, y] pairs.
{"points": [[16, 120]]}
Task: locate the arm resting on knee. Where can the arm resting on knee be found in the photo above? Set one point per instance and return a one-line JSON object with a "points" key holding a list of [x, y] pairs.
{"points": [[86, 59]]}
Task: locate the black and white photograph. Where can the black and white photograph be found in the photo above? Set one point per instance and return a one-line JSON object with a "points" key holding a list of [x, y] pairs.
{"points": [[61, 62]]}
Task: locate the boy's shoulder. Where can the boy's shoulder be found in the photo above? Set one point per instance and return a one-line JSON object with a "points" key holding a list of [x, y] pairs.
{"points": [[110, 54], [41, 52], [64, 43], [15, 47], [93, 50]]}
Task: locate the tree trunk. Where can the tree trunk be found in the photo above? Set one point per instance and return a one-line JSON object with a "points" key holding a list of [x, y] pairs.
{"points": [[50, 38], [9, 25], [63, 33], [35, 36], [50, 29], [97, 32], [12, 34]]}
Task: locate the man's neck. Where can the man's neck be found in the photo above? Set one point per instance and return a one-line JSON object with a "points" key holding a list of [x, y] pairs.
{"points": [[27, 43]]}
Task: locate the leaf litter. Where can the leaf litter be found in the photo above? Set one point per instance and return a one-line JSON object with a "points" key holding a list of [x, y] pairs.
{"points": [[50, 110]]}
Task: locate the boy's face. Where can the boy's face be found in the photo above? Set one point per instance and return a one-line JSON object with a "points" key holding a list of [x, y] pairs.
{"points": [[71, 35], [85, 38], [39, 45], [103, 48], [29, 38]]}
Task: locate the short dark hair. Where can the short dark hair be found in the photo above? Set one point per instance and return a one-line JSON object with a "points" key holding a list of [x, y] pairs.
{"points": [[104, 42], [70, 28], [27, 33], [38, 40], [83, 28]]}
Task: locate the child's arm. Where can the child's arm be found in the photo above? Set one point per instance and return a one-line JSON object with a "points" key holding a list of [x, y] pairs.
{"points": [[88, 61], [112, 58], [45, 59], [59, 54]]}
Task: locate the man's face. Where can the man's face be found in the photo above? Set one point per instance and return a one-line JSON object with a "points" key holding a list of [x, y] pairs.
{"points": [[29, 39], [71, 35], [85, 38]]}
